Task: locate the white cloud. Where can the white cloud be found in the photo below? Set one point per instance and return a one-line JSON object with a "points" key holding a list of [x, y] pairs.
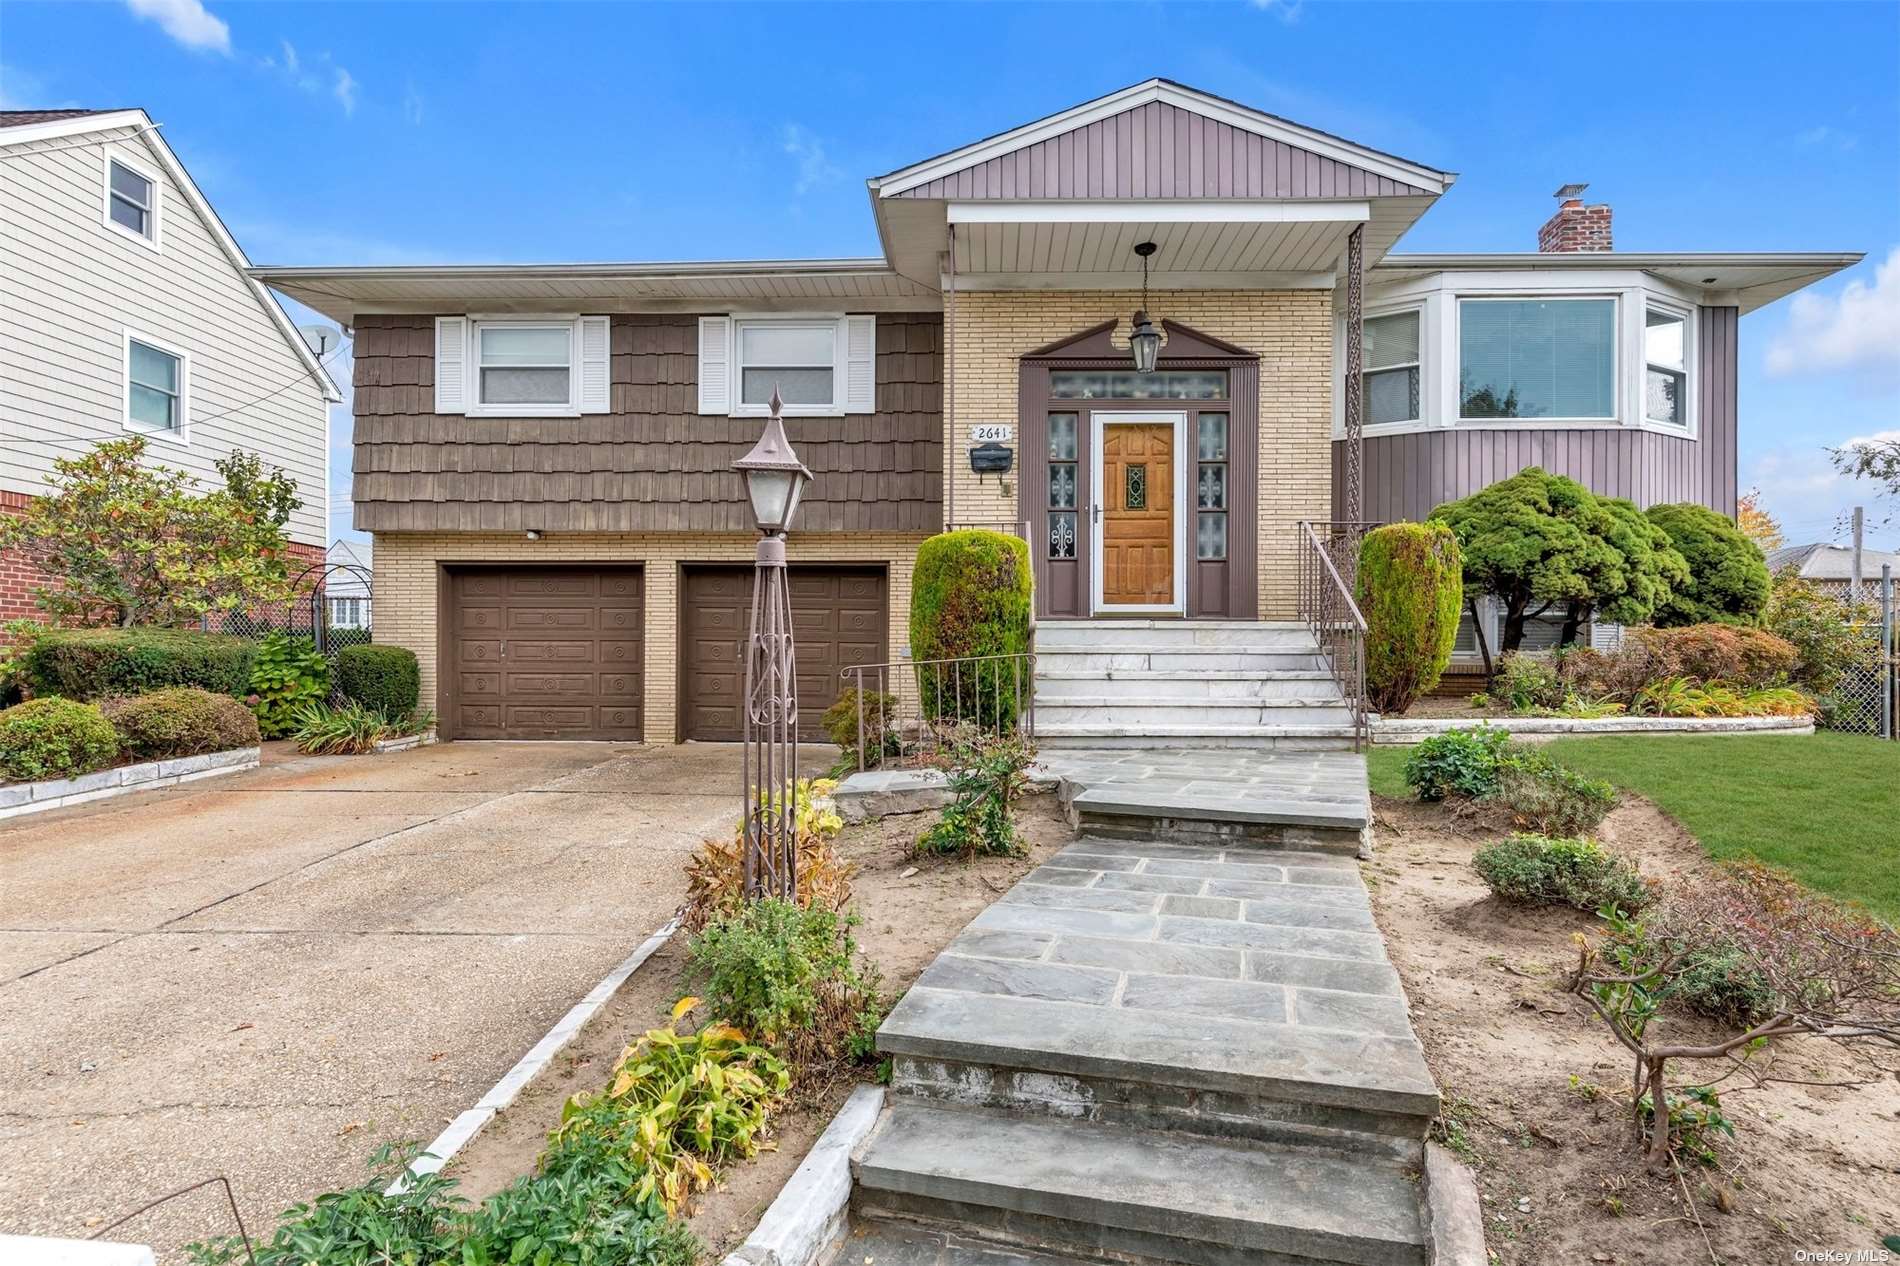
{"points": [[24, 90], [186, 21], [1288, 11], [345, 90], [1812, 499], [1856, 329], [321, 78], [814, 168], [1829, 137]]}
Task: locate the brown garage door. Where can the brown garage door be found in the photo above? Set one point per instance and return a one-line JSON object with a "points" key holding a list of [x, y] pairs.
{"points": [[545, 653], [838, 619]]}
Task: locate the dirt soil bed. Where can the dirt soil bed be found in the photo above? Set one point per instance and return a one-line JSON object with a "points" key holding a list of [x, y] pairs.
{"points": [[910, 909], [1536, 1089]]}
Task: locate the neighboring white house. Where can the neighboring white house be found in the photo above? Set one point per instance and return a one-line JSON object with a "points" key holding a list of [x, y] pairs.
{"points": [[1832, 567], [125, 307], [346, 586]]}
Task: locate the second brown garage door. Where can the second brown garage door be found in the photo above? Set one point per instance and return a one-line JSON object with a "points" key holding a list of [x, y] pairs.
{"points": [[544, 653], [839, 618]]}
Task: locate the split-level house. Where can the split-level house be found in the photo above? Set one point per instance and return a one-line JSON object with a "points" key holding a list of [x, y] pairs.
{"points": [[126, 308], [543, 451]]}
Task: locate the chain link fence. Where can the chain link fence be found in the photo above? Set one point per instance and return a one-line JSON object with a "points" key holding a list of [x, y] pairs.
{"points": [[1867, 699], [311, 614]]}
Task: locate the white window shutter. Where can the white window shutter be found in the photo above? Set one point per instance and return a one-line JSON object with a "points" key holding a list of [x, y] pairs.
{"points": [[860, 364], [715, 365], [596, 364], [451, 364]]}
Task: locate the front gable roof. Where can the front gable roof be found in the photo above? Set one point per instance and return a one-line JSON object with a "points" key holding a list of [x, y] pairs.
{"points": [[1160, 139]]}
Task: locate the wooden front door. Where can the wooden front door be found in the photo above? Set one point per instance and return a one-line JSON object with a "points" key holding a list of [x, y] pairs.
{"points": [[1138, 514]]}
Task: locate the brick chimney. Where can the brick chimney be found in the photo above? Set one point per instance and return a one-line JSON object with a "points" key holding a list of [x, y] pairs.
{"points": [[1575, 227]]}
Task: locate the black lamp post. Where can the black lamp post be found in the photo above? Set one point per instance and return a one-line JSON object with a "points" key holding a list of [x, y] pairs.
{"points": [[1146, 339], [774, 480]]}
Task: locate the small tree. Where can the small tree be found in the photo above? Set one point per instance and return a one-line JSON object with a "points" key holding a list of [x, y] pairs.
{"points": [[1728, 577], [124, 543], [1410, 593], [1876, 460], [1635, 571], [1757, 524], [1535, 540]]}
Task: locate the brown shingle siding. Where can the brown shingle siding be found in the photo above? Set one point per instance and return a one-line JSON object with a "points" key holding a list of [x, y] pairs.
{"points": [[653, 464]]}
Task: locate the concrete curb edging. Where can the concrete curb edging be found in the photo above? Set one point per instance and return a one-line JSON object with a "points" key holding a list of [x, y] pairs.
{"points": [[871, 794], [1401, 731], [382, 747], [465, 1127], [808, 1216], [42, 1250], [21, 798], [1454, 1216]]}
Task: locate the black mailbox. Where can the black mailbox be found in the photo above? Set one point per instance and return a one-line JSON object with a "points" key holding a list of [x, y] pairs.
{"points": [[991, 459]]}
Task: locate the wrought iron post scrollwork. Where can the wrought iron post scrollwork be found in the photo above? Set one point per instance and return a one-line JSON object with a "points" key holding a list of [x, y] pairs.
{"points": [[1355, 403], [771, 733]]}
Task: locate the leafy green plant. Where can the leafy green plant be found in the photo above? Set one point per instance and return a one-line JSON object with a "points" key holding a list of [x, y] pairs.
{"points": [[789, 974], [679, 1105], [1823, 631], [987, 776], [1718, 980], [575, 1210], [180, 721], [17, 639], [1542, 796], [385, 679], [1527, 683], [1461, 762], [1538, 870], [1728, 577], [289, 675], [54, 738], [102, 663], [1410, 591], [347, 729], [877, 711], [970, 597]]}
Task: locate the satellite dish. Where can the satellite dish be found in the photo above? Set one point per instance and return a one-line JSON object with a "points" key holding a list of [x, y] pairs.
{"points": [[321, 339]]}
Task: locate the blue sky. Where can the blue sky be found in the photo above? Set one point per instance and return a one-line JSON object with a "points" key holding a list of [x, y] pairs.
{"points": [[359, 133]]}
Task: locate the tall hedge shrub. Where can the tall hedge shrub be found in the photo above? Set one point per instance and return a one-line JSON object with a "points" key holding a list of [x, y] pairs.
{"points": [[1411, 589], [969, 597], [54, 738], [1728, 577], [97, 663], [385, 678]]}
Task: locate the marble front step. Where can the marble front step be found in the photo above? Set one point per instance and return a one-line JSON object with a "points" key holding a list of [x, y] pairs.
{"points": [[1137, 705], [1056, 635], [1064, 735], [1063, 683], [1114, 1191], [1192, 660]]}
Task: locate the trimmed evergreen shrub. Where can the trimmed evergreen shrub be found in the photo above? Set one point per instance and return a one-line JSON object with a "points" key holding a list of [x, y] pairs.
{"points": [[1541, 795], [180, 721], [1538, 870], [1411, 588], [386, 679], [100, 663], [1728, 577], [970, 596], [54, 738], [877, 710]]}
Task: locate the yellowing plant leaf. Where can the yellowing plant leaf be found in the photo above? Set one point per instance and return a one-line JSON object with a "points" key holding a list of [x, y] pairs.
{"points": [[684, 1005]]}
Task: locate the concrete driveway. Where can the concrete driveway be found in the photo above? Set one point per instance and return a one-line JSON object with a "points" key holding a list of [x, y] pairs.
{"points": [[266, 975]]}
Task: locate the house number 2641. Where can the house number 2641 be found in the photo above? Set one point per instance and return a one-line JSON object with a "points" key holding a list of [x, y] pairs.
{"points": [[992, 433]]}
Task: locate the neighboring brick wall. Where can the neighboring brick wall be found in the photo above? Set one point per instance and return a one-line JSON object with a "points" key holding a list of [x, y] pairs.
{"points": [[406, 595], [1290, 329], [17, 576]]}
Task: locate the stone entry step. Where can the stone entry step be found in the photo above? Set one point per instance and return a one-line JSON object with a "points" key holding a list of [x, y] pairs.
{"points": [[1165, 658], [1078, 1187], [1061, 684], [1136, 736], [1058, 635]]}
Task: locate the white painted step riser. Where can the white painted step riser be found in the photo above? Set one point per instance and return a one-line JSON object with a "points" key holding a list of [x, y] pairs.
{"points": [[1167, 661], [1058, 719], [1206, 689], [1109, 635], [1330, 740], [1172, 622]]}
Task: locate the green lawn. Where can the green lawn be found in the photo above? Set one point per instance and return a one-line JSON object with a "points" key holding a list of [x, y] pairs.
{"points": [[1827, 807]]}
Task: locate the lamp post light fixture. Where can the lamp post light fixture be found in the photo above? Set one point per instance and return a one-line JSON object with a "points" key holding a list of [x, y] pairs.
{"points": [[1146, 339], [774, 481]]}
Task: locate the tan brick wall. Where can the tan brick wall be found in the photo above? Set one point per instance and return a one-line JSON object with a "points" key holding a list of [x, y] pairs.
{"points": [[406, 594], [1290, 329]]}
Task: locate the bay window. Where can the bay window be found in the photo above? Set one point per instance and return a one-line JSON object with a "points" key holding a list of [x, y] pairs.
{"points": [[1390, 380], [1544, 359], [1665, 363]]}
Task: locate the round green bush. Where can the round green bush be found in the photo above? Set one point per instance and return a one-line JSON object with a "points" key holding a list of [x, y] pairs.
{"points": [[1411, 587], [969, 597], [102, 663], [54, 738], [1539, 870], [180, 721], [384, 678], [1728, 577]]}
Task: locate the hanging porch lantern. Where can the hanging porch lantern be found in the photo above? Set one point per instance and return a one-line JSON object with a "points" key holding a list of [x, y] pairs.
{"points": [[1146, 339]]}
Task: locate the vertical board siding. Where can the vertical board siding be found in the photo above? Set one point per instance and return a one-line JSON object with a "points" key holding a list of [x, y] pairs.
{"points": [[650, 464], [1160, 151], [69, 289]]}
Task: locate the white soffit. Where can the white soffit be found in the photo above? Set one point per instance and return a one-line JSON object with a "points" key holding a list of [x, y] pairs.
{"points": [[1748, 280], [1191, 247]]}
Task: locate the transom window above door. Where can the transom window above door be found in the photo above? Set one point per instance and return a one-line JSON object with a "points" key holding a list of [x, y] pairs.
{"points": [[1126, 384]]}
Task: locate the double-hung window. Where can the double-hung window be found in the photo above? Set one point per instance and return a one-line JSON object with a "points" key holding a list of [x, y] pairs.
{"points": [[1665, 361], [799, 358], [1539, 359], [132, 200], [524, 367], [1391, 368], [155, 386]]}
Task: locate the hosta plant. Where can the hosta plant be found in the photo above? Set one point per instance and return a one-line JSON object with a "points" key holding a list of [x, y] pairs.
{"points": [[288, 675]]}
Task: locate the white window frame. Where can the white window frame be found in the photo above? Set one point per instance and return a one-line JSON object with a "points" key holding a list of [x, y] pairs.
{"points": [[477, 408], [833, 321], [182, 435], [1686, 313], [155, 213], [1617, 388], [1423, 356]]}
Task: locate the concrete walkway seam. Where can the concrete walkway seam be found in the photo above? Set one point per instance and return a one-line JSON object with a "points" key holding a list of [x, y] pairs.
{"points": [[808, 1216], [504, 1092]]}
